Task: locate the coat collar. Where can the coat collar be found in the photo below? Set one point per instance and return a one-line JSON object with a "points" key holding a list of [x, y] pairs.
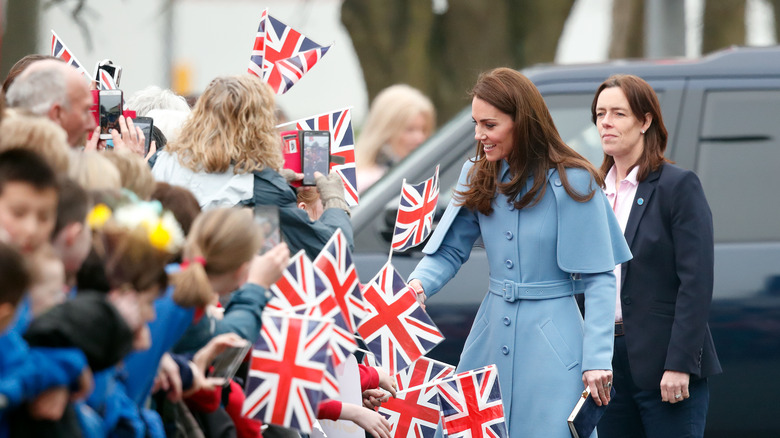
{"points": [[644, 192]]}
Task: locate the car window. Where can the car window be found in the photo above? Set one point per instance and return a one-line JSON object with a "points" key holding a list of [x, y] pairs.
{"points": [[739, 151], [571, 113]]}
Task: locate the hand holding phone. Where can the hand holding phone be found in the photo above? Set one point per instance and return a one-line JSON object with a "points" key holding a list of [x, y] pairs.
{"points": [[315, 154], [146, 124], [110, 108]]}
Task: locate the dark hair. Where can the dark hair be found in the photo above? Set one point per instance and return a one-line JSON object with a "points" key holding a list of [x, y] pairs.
{"points": [[25, 166], [22, 64], [158, 137], [15, 275], [72, 205], [180, 201], [538, 146], [642, 100]]}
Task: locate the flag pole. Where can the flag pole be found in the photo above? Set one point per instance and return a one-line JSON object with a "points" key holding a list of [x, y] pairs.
{"points": [[390, 257]]}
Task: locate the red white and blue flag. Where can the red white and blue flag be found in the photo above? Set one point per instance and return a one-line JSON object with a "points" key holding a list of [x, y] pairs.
{"points": [[302, 290], [106, 81], [281, 55], [60, 50], [414, 412], [396, 329], [342, 144], [335, 266], [471, 405], [414, 221], [284, 385]]}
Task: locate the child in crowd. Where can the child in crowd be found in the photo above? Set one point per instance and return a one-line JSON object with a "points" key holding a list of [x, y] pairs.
{"points": [[48, 288], [40, 135], [71, 238], [94, 171], [28, 199], [134, 174]]}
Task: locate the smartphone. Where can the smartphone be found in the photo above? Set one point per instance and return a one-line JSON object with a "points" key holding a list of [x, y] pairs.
{"points": [[267, 217], [315, 154], [111, 69], [146, 124], [291, 153], [110, 108], [227, 363]]}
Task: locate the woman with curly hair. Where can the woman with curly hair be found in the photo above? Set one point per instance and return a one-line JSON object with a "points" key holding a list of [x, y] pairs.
{"points": [[228, 153]]}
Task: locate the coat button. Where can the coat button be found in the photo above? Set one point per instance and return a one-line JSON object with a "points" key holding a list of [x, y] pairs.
{"points": [[509, 235], [557, 182], [507, 321], [509, 264], [505, 349], [511, 207], [625, 299]]}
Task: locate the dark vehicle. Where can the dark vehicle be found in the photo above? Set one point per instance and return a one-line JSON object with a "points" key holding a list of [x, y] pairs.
{"points": [[723, 117]]}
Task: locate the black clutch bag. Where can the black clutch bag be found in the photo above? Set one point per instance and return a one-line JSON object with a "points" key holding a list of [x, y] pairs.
{"points": [[586, 415]]}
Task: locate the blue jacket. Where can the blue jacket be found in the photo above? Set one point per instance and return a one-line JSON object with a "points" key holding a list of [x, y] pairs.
{"points": [[26, 372], [242, 317], [529, 324], [168, 327]]}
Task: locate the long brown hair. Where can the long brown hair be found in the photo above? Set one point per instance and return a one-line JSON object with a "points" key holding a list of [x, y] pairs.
{"points": [[538, 146], [642, 100]]}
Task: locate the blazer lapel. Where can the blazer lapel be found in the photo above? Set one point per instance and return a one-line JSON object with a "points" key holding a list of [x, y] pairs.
{"points": [[643, 194]]}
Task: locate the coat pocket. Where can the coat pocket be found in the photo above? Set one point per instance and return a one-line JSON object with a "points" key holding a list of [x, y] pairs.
{"points": [[558, 345]]}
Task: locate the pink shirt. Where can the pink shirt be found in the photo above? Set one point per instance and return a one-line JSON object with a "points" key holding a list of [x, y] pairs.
{"points": [[621, 198]]}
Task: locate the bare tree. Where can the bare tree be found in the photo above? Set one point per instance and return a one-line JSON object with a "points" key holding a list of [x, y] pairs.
{"points": [[628, 30], [724, 24], [405, 41]]}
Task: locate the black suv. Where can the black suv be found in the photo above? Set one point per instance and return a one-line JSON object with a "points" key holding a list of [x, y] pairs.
{"points": [[723, 117]]}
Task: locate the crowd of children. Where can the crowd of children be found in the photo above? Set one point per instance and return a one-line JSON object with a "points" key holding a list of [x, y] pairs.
{"points": [[118, 292]]}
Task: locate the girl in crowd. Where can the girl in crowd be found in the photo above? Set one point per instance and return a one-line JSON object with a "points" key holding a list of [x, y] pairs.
{"points": [[549, 234], [401, 118]]}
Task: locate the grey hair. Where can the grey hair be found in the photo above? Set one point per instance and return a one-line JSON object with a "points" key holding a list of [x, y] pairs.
{"points": [[153, 98], [37, 91]]}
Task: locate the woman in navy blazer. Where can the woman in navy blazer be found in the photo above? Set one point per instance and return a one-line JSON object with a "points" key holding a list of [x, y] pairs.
{"points": [[663, 347]]}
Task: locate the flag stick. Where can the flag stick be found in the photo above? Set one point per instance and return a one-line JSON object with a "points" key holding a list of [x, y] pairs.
{"points": [[390, 257]]}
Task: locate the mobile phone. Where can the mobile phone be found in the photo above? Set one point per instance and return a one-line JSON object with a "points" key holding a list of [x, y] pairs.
{"points": [[109, 68], [110, 108], [315, 154], [146, 124], [267, 218], [227, 363], [291, 153]]}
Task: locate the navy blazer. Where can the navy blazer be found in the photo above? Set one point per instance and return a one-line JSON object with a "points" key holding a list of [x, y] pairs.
{"points": [[667, 286]]}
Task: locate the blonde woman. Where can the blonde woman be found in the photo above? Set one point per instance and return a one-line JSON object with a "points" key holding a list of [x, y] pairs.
{"points": [[228, 154], [39, 135], [400, 120]]}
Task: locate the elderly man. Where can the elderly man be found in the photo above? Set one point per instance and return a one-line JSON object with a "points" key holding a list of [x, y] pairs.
{"points": [[56, 90]]}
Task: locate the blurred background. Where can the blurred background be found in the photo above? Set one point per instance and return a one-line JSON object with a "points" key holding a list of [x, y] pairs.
{"points": [[437, 46]]}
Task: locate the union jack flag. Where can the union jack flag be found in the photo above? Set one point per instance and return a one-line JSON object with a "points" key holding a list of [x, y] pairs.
{"points": [[284, 385], [60, 50], [342, 144], [281, 55], [396, 329], [106, 82], [414, 412], [334, 263], [415, 213], [471, 405], [302, 290]]}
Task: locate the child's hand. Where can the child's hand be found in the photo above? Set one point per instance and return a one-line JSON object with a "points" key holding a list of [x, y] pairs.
{"points": [[368, 420], [168, 379], [373, 398], [50, 404], [386, 382], [267, 268]]}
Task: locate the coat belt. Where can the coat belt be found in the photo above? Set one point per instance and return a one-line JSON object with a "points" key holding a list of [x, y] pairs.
{"points": [[512, 291]]}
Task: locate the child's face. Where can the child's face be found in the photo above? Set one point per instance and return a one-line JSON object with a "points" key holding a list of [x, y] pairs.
{"points": [[27, 215], [49, 290], [73, 244]]}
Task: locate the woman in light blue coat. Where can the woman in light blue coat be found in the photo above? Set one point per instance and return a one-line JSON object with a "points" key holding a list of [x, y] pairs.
{"points": [[549, 234]]}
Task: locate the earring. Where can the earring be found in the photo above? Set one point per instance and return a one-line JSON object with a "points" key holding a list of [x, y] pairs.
{"points": [[642, 131]]}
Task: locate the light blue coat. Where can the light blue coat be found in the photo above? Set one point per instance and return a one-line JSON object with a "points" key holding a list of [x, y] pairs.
{"points": [[529, 324]]}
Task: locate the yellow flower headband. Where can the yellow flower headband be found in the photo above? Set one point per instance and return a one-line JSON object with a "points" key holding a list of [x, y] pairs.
{"points": [[161, 227]]}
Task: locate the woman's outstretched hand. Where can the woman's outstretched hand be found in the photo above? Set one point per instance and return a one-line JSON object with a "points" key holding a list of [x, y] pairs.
{"points": [[418, 289]]}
